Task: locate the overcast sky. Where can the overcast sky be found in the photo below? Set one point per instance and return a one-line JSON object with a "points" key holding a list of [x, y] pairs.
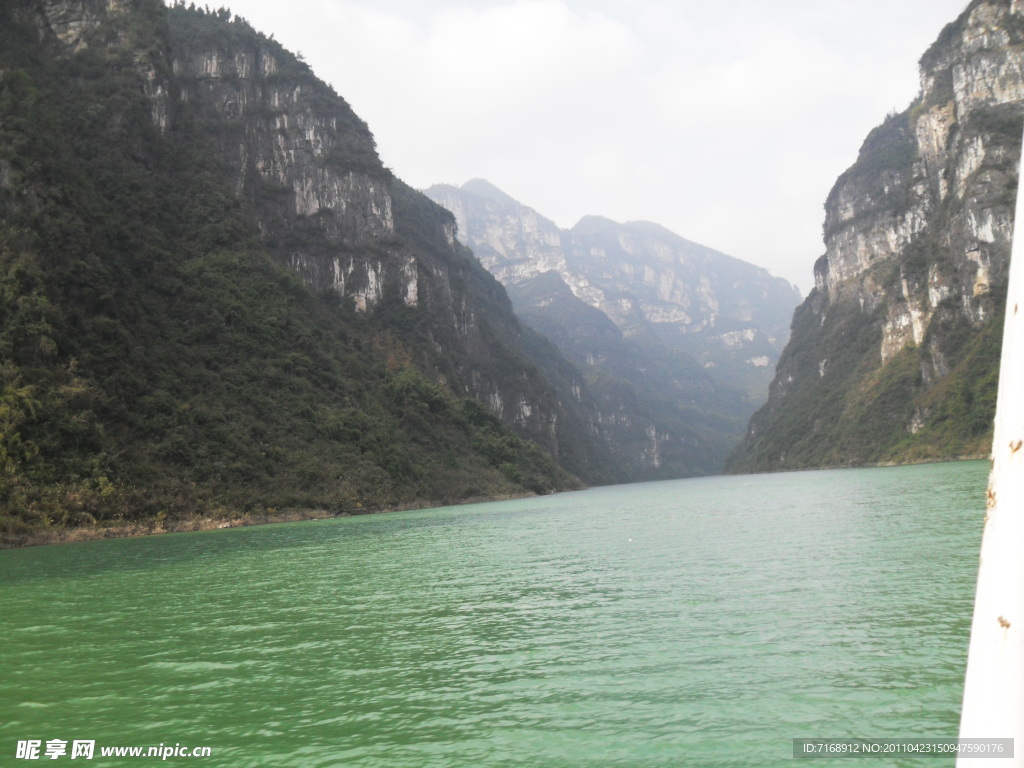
{"points": [[726, 121]]}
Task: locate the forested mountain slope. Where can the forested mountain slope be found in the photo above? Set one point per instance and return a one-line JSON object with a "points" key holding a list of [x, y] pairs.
{"points": [[213, 297]]}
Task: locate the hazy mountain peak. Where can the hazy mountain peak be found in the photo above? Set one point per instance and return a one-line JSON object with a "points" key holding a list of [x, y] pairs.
{"points": [[590, 224], [484, 188]]}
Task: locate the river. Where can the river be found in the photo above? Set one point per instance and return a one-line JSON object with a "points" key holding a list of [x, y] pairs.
{"points": [[692, 622]]}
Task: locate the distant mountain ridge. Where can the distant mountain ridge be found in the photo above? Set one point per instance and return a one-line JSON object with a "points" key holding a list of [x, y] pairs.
{"points": [[895, 353], [684, 334]]}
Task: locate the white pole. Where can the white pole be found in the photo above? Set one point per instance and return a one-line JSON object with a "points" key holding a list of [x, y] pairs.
{"points": [[994, 687]]}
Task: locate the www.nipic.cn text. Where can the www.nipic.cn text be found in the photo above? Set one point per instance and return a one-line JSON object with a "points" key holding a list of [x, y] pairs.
{"points": [[52, 749]]}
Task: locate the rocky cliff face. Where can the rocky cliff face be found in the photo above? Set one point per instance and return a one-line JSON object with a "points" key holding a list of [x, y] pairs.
{"points": [[300, 154], [691, 334], [892, 355], [731, 316]]}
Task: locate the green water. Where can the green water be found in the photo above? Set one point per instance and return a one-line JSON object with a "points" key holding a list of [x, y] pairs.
{"points": [[695, 622]]}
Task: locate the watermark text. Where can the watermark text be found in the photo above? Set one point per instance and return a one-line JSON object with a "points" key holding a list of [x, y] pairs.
{"points": [[86, 749]]}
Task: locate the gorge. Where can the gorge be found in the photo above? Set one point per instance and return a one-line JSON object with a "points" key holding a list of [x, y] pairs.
{"points": [[218, 303]]}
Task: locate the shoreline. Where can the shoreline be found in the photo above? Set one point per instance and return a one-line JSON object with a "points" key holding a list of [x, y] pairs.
{"points": [[877, 465], [48, 536]]}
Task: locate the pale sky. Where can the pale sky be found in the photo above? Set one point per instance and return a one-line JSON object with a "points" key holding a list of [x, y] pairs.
{"points": [[726, 121]]}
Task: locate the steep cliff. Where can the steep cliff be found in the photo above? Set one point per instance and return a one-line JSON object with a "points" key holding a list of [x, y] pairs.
{"points": [[894, 354], [677, 340], [214, 297], [329, 210]]}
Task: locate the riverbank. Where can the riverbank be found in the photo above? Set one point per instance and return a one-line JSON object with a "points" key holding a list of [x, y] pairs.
{"points": [[60, 535], [986, 456]]}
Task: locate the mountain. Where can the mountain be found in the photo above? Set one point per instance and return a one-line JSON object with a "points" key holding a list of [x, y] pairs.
{"points": [[894, 354], [214, 299], [677, 340]]}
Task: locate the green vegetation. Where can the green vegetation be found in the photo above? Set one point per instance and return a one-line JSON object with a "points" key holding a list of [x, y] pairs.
{"points": [[961, 406], [864, 412], [156, 361]]}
